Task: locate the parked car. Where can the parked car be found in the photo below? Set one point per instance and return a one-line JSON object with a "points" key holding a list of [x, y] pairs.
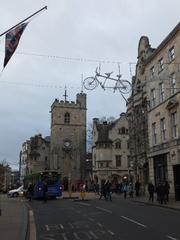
{"points": [[16, 192]]}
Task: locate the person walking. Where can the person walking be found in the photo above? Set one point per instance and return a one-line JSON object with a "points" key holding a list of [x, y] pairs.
{"points": [[103, 192], [137, 188], [131, 191], [30, 191], [167, 187], [108, 190], [45, 190], [151, 190], [125, 190], [161, 193]]}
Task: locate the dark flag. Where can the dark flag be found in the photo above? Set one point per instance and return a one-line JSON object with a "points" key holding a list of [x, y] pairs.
{"points": [[12, 40]]}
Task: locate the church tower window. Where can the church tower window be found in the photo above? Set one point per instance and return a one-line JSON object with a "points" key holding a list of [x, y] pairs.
{"points": [[67, 118]]}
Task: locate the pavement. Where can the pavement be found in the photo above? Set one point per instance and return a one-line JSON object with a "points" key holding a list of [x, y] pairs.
{"points": [[17, 222], [13, 218]]}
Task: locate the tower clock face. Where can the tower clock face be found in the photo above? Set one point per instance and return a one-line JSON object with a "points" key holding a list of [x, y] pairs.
{"points": [[66, 144]]}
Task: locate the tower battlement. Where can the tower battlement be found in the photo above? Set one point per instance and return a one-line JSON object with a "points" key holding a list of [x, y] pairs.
{"points": [[80, 102]]}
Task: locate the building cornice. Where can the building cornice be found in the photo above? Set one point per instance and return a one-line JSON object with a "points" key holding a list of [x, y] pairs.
{"points": [[163, 44]]}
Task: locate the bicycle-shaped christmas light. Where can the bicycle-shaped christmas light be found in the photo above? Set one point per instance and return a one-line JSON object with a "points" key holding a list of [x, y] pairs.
{"points": [[90, 83]]}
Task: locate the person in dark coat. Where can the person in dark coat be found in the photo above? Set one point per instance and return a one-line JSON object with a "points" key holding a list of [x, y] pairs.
{"points": [[108, 190], [151, 190], [45, 190], [103, 191], [167, 187], [161, 193], [137, 187], [30, 191], [125, 189]]}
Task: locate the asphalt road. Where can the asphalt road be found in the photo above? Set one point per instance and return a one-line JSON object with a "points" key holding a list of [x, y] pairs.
{"points": [[99, 219]]}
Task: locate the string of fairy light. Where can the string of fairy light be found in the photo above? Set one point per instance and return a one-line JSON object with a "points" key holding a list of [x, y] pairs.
{"points": [[66, 59]]}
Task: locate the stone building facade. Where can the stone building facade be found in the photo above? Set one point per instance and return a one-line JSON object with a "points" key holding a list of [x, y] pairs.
{"points": [[110, 151], [157, 84], [35, 155], [68, 139]]}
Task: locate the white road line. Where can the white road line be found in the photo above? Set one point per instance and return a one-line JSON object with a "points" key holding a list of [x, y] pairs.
{"points": [[99, 224], [172, 238], [93, 235], [64, 236], [91, 219], [131, 220], [105, 210], [109, 231], [71, 226], [76, 236], [32, 226], [61, 226], [84, 204], [47, 228]]}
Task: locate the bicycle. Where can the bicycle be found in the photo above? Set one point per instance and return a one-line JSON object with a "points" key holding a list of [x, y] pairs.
{"points": [[90, 83]]}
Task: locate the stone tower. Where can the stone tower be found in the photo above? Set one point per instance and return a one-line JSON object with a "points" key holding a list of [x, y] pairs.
{"points": [[68, 138]]}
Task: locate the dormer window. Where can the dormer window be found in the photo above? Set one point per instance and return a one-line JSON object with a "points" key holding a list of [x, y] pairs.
{"points": [[66, 117]]}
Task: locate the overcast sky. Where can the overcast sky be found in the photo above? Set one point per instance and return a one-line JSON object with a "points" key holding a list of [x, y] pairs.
{"points": [[70, 30]]}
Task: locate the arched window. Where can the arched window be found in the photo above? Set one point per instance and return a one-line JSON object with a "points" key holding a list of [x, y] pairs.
{"points": [[123, 130], [118, 144], [66, 117]]}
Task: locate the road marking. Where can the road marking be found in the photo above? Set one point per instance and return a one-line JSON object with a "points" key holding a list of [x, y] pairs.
{"points": [[172, 238], [70, 224], [78, 211], [109, 231], [61, 226], [105, 210], [84, 204], [47, 228], [99, 224], [76, 236], [93, 234], [131, 220], [91, 219], [32, 226], [64, 236]]}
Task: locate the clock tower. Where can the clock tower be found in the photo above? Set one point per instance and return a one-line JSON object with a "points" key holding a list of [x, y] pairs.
{"points": [[68, 138]]}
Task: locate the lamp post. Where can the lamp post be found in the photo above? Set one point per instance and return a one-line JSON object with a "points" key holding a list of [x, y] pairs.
{"points": [[69, 185]]}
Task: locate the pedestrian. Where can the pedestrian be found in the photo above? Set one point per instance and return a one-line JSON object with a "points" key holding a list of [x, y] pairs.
{"points": [[45, 191], [151, 190], [103, 191], [161, 193], [130, 188], [125, 189], [167, 187], [30, 191], [137, 187], [86, 186], [96, 188], [108, 190]]}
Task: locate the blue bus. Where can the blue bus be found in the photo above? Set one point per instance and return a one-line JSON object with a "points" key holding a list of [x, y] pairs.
{"points": [[51, 177]]}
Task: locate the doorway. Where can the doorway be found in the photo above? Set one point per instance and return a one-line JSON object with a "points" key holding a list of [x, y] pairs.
{"points": [[160, 168]]}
